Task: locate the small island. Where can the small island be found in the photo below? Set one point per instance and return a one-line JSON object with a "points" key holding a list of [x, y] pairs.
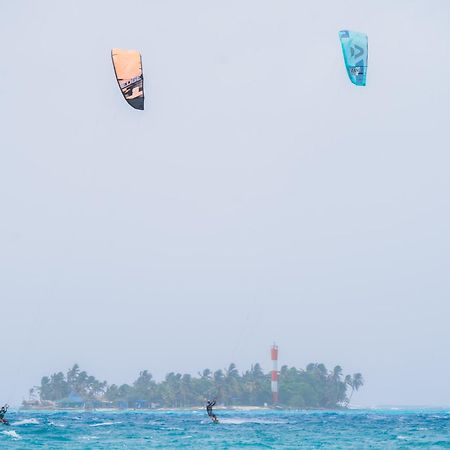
{"points": [[314, 387]]}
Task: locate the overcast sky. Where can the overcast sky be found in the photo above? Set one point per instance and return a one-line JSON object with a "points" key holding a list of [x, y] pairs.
{"points": [[260, 196]]}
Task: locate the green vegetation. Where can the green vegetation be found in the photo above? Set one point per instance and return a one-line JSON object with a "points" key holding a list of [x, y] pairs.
{"points": [[59, 386], [314, 387]]}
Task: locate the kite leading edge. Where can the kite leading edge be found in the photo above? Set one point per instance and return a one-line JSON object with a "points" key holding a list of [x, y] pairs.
{"points": [[128, 69], [355, 49]]}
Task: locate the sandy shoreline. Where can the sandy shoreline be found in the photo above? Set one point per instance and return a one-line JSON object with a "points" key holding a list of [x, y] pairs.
{"points": [[193, 408]]}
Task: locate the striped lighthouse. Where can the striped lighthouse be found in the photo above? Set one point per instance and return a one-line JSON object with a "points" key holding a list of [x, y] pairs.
{"points": [[274, 357]]}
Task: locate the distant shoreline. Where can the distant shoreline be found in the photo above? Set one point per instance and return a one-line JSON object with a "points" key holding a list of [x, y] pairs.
{"points": [[192, 408], [314, 387], [239, 408]]}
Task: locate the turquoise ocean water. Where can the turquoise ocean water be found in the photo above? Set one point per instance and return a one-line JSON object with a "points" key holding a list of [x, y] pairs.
{"points": [[356, 429]]}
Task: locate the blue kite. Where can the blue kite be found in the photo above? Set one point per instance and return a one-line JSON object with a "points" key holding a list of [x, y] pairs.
{"points": [[355, 47]]}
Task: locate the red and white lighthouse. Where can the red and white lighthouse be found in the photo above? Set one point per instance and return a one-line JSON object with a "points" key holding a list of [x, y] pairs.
{"points": [[274, 357]]}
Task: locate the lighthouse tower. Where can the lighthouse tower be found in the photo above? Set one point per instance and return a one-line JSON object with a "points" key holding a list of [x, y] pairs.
{"points": [[274, 357]]}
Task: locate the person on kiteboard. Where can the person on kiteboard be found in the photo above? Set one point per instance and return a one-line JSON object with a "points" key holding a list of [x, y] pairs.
{"points": [[3, 411], [209, 407]]}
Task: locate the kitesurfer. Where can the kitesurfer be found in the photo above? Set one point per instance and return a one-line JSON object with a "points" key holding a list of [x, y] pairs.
{"points": [[209, 407], [3, 411]]}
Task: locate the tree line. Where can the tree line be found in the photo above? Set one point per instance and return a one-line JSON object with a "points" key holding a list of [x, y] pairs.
{"points": [[312, 387]]}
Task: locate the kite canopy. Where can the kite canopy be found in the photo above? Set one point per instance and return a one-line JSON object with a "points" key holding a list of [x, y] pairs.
{"points": [[128, 69], [355, 48]]}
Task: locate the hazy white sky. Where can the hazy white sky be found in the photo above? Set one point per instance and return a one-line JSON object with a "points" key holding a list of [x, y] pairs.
{"points": [[260, 196]]}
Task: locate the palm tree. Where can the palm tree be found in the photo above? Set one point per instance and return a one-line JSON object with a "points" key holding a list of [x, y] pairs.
{"points": [[59, 386], [355, 383], [219, 381], [144, 385], [72, 375], [358, 381], [112, 393], [45, 389], [231, 383], [206, 374], [335, 387], [337, 373], [186, 389], [172, 388]]}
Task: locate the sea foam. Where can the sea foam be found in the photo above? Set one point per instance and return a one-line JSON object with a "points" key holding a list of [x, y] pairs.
{"points": [[104, 424], [31, 421], [12, 434]]}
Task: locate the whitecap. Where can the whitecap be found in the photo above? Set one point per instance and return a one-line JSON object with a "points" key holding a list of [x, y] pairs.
{"points": [[12, 434], [31, 421], [104, 424], [56, 424], [88, 438], [249, 420]]}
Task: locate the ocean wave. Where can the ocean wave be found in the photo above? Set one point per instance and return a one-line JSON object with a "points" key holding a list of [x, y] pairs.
{"points": [[271, 429], [88, 438], [56, 424], [104, 424], [31, 421], [242, 421], [12, 434]]}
